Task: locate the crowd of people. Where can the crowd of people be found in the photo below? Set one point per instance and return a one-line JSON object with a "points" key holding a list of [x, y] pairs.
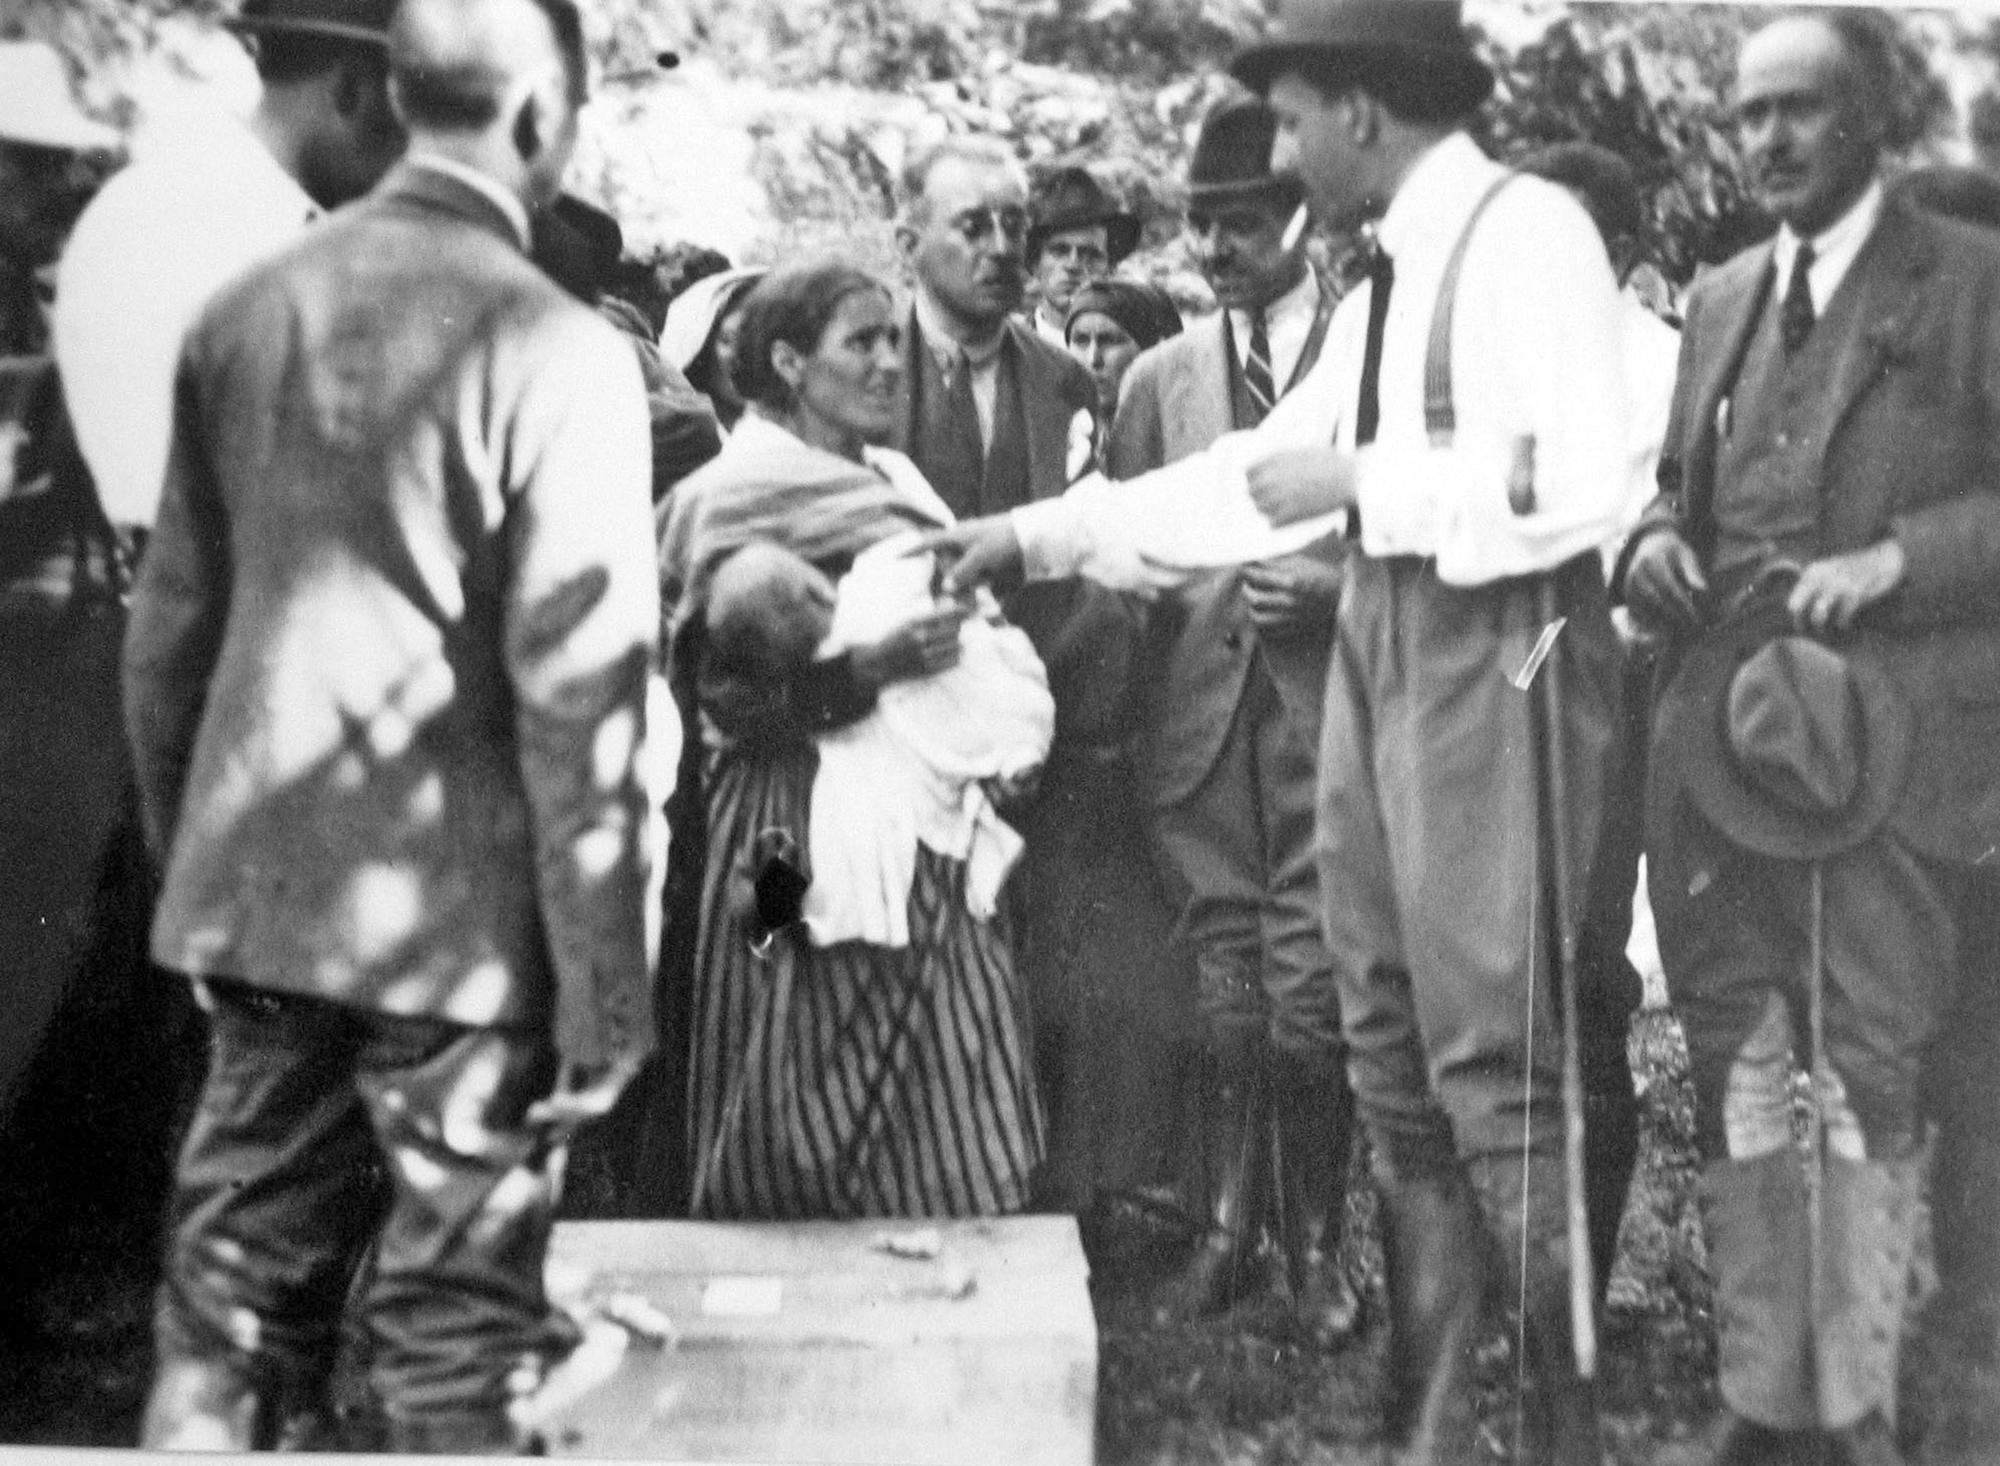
{"points": [[821, 746]]}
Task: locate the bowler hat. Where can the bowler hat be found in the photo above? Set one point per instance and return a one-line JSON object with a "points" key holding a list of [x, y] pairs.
{"points": [[1787, 746], [1073, 199], [1232, 155], [36, 107], [346, 20], [1420, 38]]}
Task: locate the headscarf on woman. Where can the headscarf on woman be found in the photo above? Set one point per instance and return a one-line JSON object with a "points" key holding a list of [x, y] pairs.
{"points": [[1145, 311]]}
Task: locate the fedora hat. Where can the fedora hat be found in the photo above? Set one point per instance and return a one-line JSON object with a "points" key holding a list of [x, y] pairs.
{"points": [[1416, 38], [1788, 747], [345, 20], [36, 107], [1072, 199], [1232, 155]]}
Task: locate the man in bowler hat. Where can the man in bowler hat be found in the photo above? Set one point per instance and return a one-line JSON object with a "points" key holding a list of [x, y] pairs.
{"points": [[1227, 741], [1466, 426], [1830, 449], [1076, 234]]}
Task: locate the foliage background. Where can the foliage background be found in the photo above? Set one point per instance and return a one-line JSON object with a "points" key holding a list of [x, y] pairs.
{"points": [[785, 128]]}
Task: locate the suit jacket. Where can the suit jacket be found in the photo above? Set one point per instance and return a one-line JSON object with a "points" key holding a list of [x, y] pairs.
{"points": [[1088, 637], [387, 671], [1908, 444], [1177, 400]]}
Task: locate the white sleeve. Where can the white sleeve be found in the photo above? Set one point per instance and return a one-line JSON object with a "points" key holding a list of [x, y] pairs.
{"points": [[1537, 356]]}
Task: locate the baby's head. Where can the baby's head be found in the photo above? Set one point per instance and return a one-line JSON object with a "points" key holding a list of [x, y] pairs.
{"points": [[768, 609]]}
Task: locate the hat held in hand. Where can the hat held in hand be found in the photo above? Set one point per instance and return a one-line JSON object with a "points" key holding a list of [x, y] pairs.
{"points": [[1785, 745]]}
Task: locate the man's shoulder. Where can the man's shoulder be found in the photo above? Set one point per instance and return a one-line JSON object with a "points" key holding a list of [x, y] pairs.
{"points": [[1071, 381]]}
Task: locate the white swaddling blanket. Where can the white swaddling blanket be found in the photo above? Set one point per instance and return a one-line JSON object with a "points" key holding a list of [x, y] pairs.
{"points": [[909, 773]]}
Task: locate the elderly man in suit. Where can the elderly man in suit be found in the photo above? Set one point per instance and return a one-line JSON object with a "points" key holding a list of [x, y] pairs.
{"points": [[387, 687], [1227, 746], [1831, 458], [997, 418]]}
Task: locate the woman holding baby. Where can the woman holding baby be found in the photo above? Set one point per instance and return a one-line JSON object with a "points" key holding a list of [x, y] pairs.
{"points": [[859, 1045]]}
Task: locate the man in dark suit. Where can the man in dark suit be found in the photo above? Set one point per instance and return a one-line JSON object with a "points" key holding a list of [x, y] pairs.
{"points": [[387, 688], [1228, 744], [996, 418], [1833, 435]]}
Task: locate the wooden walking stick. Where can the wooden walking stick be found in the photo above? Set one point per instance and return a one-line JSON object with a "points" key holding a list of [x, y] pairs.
{"points": [[1552, 791]]}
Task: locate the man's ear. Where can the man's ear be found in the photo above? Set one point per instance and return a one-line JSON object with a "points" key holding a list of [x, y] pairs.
{"points": [[529, 131]]}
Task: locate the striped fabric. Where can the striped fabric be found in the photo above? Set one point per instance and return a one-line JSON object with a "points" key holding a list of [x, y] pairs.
{"points": [[851, 1081]]}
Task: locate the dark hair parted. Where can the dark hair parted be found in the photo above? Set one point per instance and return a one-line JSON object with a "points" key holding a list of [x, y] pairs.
{"points": [[1606, 181], [1408, 89], [467, 96], [795, 305]]}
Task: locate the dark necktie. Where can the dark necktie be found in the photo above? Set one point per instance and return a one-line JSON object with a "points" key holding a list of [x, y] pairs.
{"points": [[1257, 367], [1795, 317], [1368, 407]]}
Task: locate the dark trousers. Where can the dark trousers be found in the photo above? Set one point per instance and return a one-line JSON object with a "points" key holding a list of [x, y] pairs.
{"points": [[306, 1103]]}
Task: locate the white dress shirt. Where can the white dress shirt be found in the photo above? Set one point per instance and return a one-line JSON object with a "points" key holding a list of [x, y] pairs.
{"points": [[950, 353], [1834, 248], [1288, 322], [1536, 353], [155, 245]]}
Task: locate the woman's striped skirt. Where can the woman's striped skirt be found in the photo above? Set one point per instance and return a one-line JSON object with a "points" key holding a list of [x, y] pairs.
{"points": [[853, 1080]]}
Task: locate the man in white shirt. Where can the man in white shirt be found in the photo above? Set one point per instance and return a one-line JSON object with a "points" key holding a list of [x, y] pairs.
{"points": [[174, 227], [1433, 889]]}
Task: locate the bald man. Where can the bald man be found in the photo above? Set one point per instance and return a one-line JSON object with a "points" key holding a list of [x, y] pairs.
{"points": [[387, 687]]}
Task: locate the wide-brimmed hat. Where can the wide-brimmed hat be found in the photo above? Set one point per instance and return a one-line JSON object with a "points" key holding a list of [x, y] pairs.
{"points": [[1071, 198], [1788, 746], [36, 106], [346, 20], [1426, 37], [1232, 156]]}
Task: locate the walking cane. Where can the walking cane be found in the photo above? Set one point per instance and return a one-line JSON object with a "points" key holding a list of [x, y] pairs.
{"points": [[1553, 800]]}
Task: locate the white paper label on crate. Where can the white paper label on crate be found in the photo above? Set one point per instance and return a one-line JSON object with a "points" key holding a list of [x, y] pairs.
{"points": [[745, 1297]]}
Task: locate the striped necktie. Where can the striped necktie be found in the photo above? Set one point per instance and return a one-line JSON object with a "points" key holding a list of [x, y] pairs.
{"points": [[1257, 367]]}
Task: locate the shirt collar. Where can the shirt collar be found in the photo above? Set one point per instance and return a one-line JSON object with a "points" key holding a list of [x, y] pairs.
{"points": [[1834, 247], [1435, 195], [945, 347], [1301, 299], [510, 206]]}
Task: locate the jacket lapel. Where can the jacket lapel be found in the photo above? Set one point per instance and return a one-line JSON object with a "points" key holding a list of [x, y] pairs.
{"points": [[1740, 302], [1048, 430]]}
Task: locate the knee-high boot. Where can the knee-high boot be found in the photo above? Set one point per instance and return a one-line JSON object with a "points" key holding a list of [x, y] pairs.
{"points": [[1315, 1123], [1236, 1140], [1435, 1252], [1755, 1215], [1526, 1207]]}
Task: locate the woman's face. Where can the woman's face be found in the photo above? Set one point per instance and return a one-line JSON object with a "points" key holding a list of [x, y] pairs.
{"points": [[1106, 349], [724, 349], [849, 382]]}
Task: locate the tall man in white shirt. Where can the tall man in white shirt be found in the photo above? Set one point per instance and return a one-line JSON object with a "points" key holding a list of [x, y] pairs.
{"points": [[179, 223], [1435, 900]]}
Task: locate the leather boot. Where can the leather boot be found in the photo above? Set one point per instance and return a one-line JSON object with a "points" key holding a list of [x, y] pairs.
{"points": [[1869, 1231], [1434, 1253], [1527, 1208], [204, 1404], [1235, 1129], [1755, 1215], [1315, 1123]]}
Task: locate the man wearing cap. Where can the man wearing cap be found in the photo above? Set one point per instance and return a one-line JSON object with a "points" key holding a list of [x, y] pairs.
{"points": [[1228, 737], [1467, 424], [166, 233], [1826, 748], [1076, 234], [387, 687]]}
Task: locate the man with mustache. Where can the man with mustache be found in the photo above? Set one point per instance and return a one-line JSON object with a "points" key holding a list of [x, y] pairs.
{"points": [[1831, 439], [997, 418]]}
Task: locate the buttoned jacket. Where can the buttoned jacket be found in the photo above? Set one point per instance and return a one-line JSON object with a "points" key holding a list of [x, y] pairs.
{"points": [[387, 671], [1904, 443]]}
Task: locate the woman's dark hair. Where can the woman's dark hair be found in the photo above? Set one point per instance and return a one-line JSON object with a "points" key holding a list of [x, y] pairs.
{"points": [[1145, 311], [793, 305]]}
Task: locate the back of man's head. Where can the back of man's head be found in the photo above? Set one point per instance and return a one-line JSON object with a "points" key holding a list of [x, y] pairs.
{"points": [[501, 77]]}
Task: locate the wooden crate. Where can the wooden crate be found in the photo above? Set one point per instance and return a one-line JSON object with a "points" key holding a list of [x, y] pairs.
{"points": [[828, 1342]]}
